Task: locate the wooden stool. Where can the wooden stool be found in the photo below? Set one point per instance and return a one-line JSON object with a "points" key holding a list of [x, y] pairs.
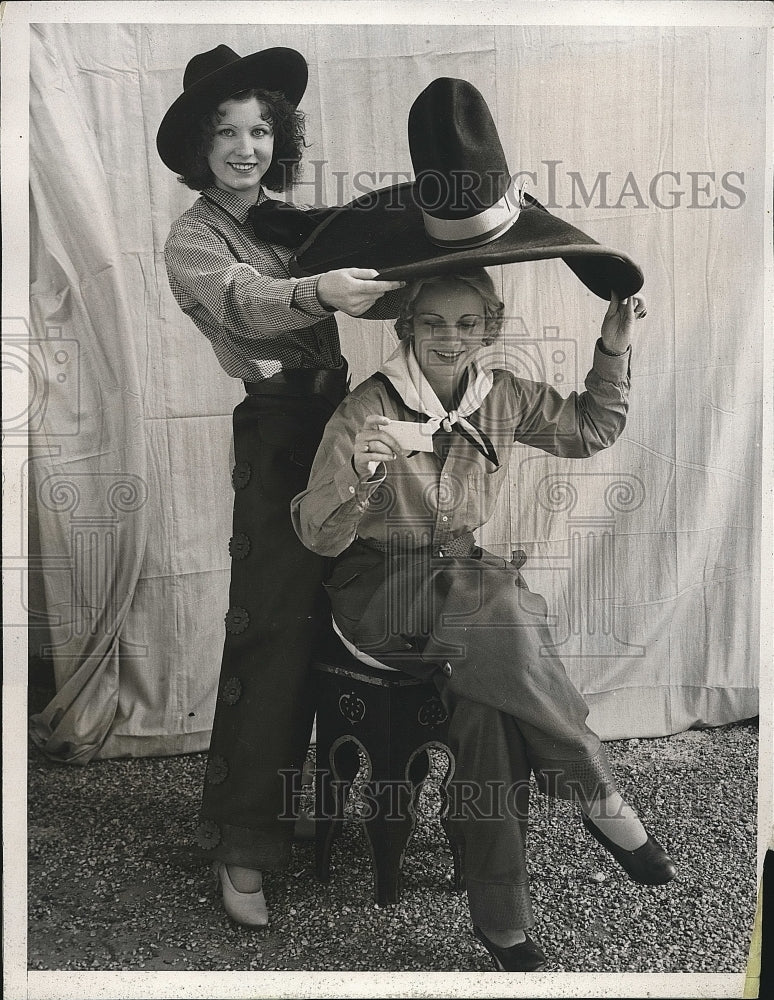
{"points": [[393, 719]]}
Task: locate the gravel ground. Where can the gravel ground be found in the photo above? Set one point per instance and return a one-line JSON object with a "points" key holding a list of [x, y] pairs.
{"points": [[115, 882]]}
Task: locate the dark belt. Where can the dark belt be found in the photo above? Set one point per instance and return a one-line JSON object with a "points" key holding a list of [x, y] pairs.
{"points": [[331, 383], [461, 546]]}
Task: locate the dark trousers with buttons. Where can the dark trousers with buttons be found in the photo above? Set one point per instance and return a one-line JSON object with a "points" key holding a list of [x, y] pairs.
{"points": [[277, 610], [474, 627]]}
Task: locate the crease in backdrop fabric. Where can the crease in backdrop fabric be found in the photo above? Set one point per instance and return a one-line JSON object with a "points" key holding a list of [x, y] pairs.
{"points": [[647, 554]]}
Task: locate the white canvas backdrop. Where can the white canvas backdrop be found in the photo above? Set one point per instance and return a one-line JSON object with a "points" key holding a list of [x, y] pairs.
{"points": [[647, 554]]}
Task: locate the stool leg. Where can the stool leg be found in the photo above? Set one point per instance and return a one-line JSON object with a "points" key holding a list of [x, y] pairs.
{"points": [[419, 768], [455, 846], [333, 777], [389, 819]]}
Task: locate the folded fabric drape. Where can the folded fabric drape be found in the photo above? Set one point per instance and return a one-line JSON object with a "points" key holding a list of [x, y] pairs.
{"points": [[89, 474], [648, 556]]}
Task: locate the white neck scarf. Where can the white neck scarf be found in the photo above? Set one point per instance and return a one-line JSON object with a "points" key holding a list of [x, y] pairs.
{"points": [[405, 374]]}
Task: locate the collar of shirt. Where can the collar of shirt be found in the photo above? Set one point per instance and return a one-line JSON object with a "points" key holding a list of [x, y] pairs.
{"points": [[236, 207], [409, 381]]}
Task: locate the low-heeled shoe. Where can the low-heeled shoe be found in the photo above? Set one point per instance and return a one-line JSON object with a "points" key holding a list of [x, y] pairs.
{"points": [[248, 908], [527, 956], [648, 865]]}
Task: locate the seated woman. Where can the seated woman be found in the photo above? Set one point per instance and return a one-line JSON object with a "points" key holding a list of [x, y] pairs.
{"points": [[410, 586]]}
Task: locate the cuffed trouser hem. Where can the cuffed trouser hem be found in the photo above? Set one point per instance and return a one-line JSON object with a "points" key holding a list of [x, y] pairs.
{"points": [[260, 850], [500, 906], [579, 780]]}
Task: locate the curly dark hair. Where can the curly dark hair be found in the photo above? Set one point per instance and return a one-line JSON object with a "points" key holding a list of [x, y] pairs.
{"points": [[287, 122]]}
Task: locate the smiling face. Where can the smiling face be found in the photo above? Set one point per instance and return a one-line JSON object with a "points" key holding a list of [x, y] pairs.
{"points": [[449, 327], [242, 148]]}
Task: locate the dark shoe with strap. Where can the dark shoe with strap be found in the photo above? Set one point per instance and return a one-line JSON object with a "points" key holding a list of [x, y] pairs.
{"points": [[648, 865], [527, 956]]}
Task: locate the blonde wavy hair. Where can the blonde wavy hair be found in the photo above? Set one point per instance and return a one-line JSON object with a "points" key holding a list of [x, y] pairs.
{"points": [[477, 279]]}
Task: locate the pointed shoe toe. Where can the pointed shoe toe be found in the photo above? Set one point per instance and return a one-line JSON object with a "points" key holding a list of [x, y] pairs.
{"points": [[527, 956], [247, 908], [647, 865]]}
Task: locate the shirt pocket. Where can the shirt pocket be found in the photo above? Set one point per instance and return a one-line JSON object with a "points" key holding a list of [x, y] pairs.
{"points": [[483, 489]]}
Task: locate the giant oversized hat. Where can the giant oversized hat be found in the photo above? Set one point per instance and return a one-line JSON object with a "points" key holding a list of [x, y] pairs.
{"points": [[463, 210], [210, 77]]}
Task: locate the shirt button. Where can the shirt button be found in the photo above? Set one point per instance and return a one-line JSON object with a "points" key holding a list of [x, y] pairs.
{"points": [[352, 489], [447, 669], [444, 518]]}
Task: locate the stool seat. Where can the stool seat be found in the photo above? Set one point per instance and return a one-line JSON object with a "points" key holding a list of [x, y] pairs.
{"points": [[354, 651], [393, 719]]}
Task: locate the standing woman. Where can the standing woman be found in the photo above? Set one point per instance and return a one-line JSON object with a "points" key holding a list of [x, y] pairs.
{"points": [[233, 132]]}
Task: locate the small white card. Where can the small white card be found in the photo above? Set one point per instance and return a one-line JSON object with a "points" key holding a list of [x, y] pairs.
{"points": [[410, 435]]}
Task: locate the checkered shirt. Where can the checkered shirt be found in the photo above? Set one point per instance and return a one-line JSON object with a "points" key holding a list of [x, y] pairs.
{"points": [[239, 293]]}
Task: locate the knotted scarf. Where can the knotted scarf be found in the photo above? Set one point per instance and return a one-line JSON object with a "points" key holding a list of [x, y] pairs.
{"points": [[403, 372]]}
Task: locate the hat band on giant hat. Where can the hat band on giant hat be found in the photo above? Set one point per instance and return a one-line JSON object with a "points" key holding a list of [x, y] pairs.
{"points": [[475, 230], [452, 137]]}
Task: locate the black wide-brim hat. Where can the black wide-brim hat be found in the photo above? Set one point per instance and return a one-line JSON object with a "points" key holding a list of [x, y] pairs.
{"points": [[211, 77], [462, 211]]}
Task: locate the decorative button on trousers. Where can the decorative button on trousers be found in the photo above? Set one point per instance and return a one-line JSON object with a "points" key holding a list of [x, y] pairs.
{"points": [[277, 610]]}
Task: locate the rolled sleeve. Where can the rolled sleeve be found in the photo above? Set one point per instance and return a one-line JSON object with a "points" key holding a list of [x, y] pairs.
{"points": [[613, 368], [349, 485], [305, 297]]}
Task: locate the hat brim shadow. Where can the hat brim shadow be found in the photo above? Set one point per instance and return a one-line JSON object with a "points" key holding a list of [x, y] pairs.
{"points": [[384, 230]]}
